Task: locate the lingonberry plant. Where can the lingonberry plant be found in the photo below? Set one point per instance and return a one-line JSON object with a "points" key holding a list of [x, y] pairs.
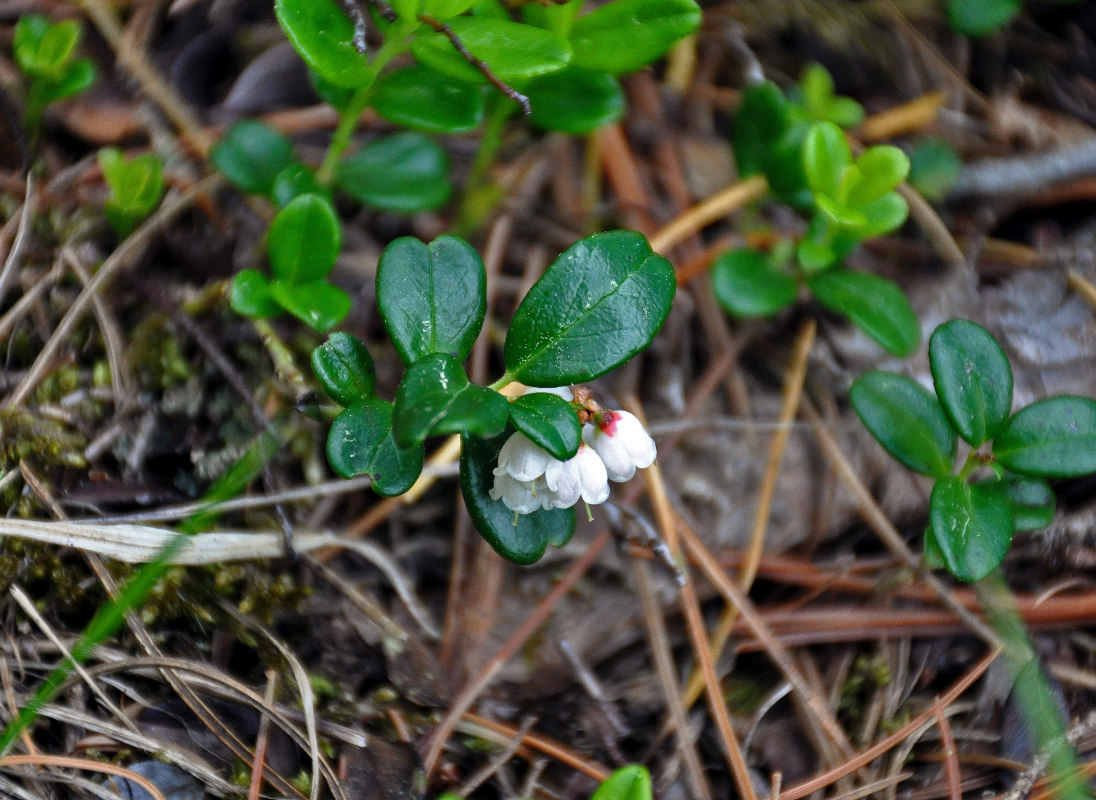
{"points": [[1000, 487], [524, 464], [45, 53], [797, 144], [136, 186]]}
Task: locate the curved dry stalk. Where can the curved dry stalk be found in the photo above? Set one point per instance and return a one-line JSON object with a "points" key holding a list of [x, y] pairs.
{"points": [[67, 762], [502, 733], [708, 211]]}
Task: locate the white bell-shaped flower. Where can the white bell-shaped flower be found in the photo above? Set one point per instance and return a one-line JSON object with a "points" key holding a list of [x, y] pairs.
{"points": [[621, 442], [524, 497], [582, 477], [522, 459]]}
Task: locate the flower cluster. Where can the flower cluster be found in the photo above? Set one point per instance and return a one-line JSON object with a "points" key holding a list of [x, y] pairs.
{"points": [[613, 445]]}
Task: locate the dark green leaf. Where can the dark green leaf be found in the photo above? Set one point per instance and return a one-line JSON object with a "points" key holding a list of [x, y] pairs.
{"points": [[1032, 501], [251, 154], [972, 527], [294, 181], [906, 420], [433, 297], [360, 443], [575, 100], [337, 96], [304, 240], [1053, 438], [318, 305], [763, 118], [418, 97], [549, 421], [323, 35], [632, 782], [747, 284], [625, 35], [601, 302], [981, 17], [405, 172], [250, 295], [520, 538], [875, 305], [934, 168], [881, 168], [973, 379], [513, 51], [435, 398], [344, 368]]}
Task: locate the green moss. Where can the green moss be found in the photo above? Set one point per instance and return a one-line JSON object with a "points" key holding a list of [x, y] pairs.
{"points": [[156, 355], [44, 443]]}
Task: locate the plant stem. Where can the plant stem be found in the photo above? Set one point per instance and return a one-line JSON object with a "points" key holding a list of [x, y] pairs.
{"points": [[477, 202], [506, 379], [1031, 690]]}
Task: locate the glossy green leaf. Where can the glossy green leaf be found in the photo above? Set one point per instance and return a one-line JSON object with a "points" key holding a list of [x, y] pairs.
{"points": [[513, 51], [982, 17], [632, 782], [323, 36], [881, 168], [935, 168], [1032, 501], [826, 154], [625, 35], [574, 100], [443, 9], [338, 97], [418, 97], [549, 421], [344, 368], [360, 443], [435, 398], [601, 302], [763, 118], [405, 172], [973, 379], [972, 527], [319, 305], [294, 181], [251, 154], [747, 284], [520, 538], [250, 295], [906, 420], [875, 305], [1053, 438], [304, 240], [884, 215], [432, 298]]}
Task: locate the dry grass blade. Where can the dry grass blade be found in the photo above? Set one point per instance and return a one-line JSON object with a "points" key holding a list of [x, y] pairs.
{"points": [[83, 764], [480, 726], [262, 739]]}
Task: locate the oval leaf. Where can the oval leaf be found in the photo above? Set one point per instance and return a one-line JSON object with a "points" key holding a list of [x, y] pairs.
{"points": [[323, 35], [1053, 438], [294, 181], [250, 295], [972, 527], [513, 51], [520, 538], [881, 168], [318, 305], [747, 284], [549, 421], [632, 782], [826, 154], [435, 397], [575, 101], [906, 420], [1032, 501], [875, 305], [251, 154], [304, 240], [406, 172], [973, 379], [433, 297], [360, 443], [418, 97], [625, 35], [344, 368], [597, 305]]}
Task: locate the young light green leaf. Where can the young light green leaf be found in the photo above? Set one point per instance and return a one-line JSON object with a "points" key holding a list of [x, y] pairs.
{"points": [[435, 398], [826, 154], [319, 305], [881, 168], [323, 35], [360, 443], [631, 782], [136, 186], [625, 35], [251, 154], [304, 240], [1052, 438], [76, 76], [906, 420], [1032, 501], [556, 17], [747, 284], [821, 104], [972, 527], [432, 298], [250, 295], [42, 48], [443, 9], [417, 97], [886, 214], [973, 379], [513, 51], [344, 368], [549, 421], [875, 305], [520, 538], [405, 172], [574, 100], [601, 302]]}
